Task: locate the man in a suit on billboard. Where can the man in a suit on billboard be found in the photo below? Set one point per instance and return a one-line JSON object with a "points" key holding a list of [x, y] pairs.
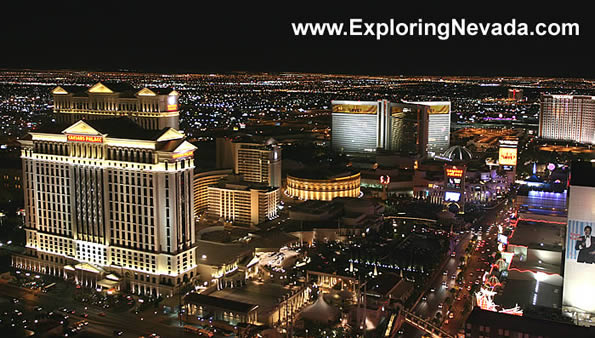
{"points": [[586, 246]]}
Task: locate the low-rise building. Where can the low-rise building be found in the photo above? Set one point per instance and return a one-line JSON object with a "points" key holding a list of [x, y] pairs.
{"points": [[243, 203]]}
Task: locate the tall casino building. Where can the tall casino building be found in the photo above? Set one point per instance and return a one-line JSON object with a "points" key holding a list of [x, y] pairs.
{"points": [[567, 118], [109, 191], [412, 128]]}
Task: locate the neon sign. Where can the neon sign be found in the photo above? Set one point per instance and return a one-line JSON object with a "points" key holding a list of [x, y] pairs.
{"points": [[453, 172], [85, 138], [385, 179]]}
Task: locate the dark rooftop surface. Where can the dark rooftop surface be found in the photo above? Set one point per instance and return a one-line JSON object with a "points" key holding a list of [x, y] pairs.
{"points": [[125, 128], [582, 174], [222, 303], [119, 127], [322, 173], [383, 283], [535, 327], [540, 235], [521, 292]]}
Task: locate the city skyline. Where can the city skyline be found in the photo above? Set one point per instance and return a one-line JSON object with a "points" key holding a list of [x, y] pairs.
{"points": [[296, 170]]}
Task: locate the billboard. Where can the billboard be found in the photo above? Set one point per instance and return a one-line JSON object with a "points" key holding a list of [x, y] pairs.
{"points": [[451, 196], [172, 103], [507, 156], [579, 263], [355, 108], [453, 183]]}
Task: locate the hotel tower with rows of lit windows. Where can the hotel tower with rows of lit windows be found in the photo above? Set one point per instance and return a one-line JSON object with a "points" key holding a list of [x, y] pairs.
{"points": [[109, 191]]}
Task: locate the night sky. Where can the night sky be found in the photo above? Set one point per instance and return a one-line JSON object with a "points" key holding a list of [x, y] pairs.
{"points": [[174, 36]]}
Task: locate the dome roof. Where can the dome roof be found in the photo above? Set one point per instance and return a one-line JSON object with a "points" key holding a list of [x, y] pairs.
{"points": [[458, 153]]}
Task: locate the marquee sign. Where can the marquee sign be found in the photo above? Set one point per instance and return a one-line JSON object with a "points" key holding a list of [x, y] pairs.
{"points": [[85, 138], [454, 172], [508, 156]]}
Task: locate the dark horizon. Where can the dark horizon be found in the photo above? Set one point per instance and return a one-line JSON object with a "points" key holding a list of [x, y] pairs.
{"points": [[254, 38]]}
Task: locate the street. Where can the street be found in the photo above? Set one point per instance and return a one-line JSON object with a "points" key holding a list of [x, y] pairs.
{"points": [[427, 309]]}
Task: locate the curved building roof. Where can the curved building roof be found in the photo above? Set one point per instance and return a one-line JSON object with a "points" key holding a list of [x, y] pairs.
{"points": [[458, 153], [324, 173]]}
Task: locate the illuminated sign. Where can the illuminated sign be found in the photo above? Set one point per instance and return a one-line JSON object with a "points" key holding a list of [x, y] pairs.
{"points": [[507, 156], [85, 138], [355, 108], [181, 155], [453, 183], [385, 179], [439, 109], [454, 172], [172, 103], [451, 196]]}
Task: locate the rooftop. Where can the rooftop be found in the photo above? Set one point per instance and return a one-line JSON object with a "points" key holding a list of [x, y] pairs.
{"points": [[536, 327], [118, 127], [539, 235], [383, 283], [522, 292], [222, 303], [582, 173], [219, 253], [325, 173], [123, 89], [233, 182]]}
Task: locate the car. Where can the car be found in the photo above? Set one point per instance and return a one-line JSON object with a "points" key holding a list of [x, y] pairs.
{"points": [[451, 315], [118, 333], [85, 315], [424, 298], [432, 290], [440, 306], [443, 283], [102, 314], [445, 273]]}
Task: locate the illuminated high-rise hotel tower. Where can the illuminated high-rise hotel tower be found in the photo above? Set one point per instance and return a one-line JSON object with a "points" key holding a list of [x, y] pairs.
{"points": [[568, 118], [109, 192]]}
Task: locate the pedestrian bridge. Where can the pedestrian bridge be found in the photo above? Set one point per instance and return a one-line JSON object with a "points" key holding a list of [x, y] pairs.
{"points": [[424, 325]]}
